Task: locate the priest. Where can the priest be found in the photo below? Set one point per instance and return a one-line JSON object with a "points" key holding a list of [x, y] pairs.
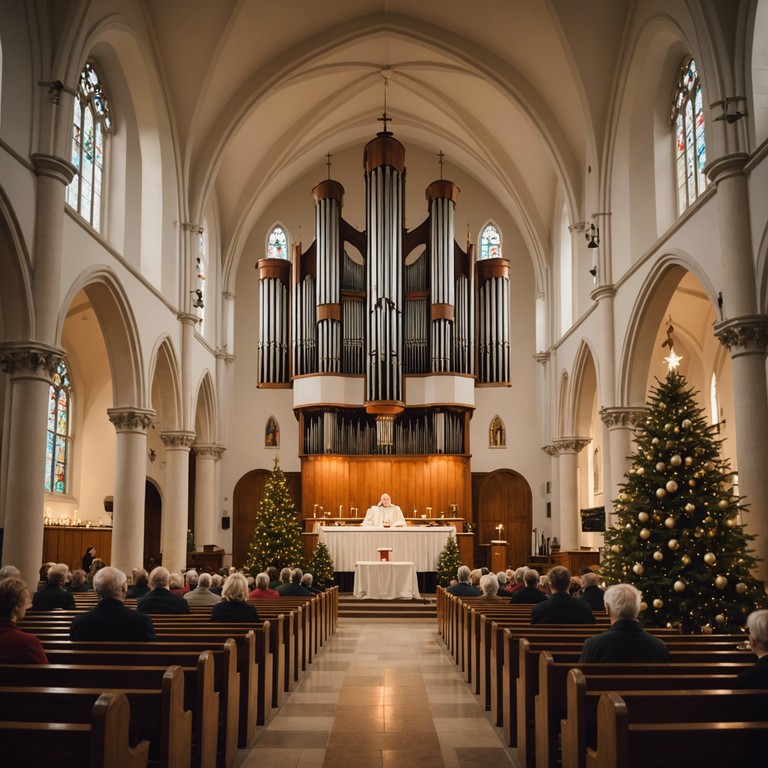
{"points": [[385, 514]]}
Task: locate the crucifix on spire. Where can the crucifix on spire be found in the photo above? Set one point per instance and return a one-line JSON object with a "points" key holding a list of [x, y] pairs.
{"points": [[441, 160], [328, 163], [384, 119]]}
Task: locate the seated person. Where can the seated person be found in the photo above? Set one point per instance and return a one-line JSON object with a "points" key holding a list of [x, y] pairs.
{"points": [[110, 620], [217, 582], [626, 641], [489, 585], [756, 676], [293, 586], [159, 599], [274, 577], [17, 647], [176, 584], [140, 584], [385, 514], [201, 594], [234, 602], [591, 591], [502, 577], [263, 591], [306, 582], [530, 593], [462, 587], [517, 581], [54, 594], [561, 607], [78, 582]]}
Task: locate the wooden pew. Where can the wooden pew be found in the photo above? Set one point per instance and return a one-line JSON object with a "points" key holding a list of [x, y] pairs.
{"points": [[624, 743], [579, 727], [157, 713], [100, 743], [226, 677]]}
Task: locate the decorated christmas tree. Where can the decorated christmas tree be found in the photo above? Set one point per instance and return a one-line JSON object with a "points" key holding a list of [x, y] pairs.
{"points": [[448, 563], [679, 535], [276, 538], [321, 567]]}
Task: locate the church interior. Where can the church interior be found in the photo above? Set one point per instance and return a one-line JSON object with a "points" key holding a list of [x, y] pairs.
{"points": [[438, 250]]}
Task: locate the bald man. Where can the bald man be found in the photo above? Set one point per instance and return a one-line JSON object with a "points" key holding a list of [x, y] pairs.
{"points": [[385, 514]]}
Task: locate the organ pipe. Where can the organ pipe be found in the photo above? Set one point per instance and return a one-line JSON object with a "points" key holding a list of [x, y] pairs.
{"points": [[274, 276]]}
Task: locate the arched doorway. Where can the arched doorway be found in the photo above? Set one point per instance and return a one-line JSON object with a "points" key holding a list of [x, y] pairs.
{"points": [[503, 498], [153, 514]]}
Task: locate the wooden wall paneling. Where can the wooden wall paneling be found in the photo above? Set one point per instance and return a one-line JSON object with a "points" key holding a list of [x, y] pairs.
{"points": [[67, 544]]}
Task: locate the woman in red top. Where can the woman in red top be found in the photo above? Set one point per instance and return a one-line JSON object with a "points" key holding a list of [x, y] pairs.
{"points": [[17, 647]]}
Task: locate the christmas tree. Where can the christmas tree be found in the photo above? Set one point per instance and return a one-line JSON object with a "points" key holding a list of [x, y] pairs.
{"points": [[321, 567], [679, 536], [276, 538], [448, 563]]}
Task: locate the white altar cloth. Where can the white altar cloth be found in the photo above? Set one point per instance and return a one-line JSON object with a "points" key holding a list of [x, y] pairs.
{"points": [[385, 580], [420, 545]]}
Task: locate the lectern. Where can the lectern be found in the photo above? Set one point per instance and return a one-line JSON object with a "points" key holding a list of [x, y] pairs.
{"points": [[498, 556]]}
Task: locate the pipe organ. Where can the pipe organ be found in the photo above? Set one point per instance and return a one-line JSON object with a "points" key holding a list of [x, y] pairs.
{"points": [[383, 348]]}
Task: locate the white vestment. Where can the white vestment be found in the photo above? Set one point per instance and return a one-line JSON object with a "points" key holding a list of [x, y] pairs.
{"points": [[385, 517]]}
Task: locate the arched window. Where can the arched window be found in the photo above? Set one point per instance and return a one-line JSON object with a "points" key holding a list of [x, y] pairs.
{"points": [[490, 243], [277, 244], [688, 121], [90, 125], [497, 434], [58, 439]]}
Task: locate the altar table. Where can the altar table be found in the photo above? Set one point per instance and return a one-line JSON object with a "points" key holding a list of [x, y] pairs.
{"points": [[385, 580], [352, 544]]}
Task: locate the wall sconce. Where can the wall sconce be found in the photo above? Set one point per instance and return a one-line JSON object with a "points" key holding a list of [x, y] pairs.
{"points": [[198, 302], [152, 455], [729, 117], [592, 236]]}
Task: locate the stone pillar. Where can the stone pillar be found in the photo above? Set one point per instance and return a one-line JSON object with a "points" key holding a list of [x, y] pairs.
{"points": [[621, 423], [568, 451], [188, 323], [53, 176], [553, 523], [30, 367], [746, 339], [206, 457], [131, 425], [173, 531]]}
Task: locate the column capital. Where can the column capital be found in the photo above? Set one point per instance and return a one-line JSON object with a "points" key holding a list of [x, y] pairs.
{"points": [[208, 451], [571, 444], [603, 292], [55, 167], [30, 359], [726, 167], [187, 318], [542, 357], [746, 335], [577, 226], [550, 450], [190, 226], [136, 420], [629, 416], [178, 439]]}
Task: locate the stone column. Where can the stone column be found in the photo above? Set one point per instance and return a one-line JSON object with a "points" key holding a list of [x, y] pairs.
{"points": [[746, 339], [568, 451], [553, 523], [173, 531], [621, 423], [131, 425], [30, 367], [206, 457]]}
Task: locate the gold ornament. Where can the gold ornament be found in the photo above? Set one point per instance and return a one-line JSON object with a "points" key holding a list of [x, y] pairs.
{"points": [[670, 522], [686, 559], [649, 455], [671, 486], [673, 544], [721, 582], [729, 522], [662, 406], [706, 630], [628, 527], [709, 466], [720, 619], [669, 427], [660, 493], [688, 461], [741, 587], [687, 424], [676, 460], [660, 467], [723, 503], [690, 508], [655, 441], [658, 555], [641, 471], [645, 534], [676, 430], [710, 558], [692, 483], [679, 586], [643, 606], [638, 568], [658, 602], [643, 517]]}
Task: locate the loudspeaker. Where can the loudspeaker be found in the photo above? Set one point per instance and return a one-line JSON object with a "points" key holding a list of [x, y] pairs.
{"points": [[225, 523]]}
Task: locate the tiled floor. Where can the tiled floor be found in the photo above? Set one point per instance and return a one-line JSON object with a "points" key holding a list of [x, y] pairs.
{"points": [[385, 696]]}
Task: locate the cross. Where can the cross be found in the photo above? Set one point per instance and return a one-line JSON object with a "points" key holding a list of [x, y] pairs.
{"points": [[328, 163], [384, 119], [441, 160]]}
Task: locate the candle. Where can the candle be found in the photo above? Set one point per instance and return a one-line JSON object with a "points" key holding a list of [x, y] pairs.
{"points": [[339, 510]]}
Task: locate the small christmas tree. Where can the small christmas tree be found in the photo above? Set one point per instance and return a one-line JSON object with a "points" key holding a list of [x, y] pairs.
{"points": [[448, 562], [321, 567], [679, 536], [276, 538]]}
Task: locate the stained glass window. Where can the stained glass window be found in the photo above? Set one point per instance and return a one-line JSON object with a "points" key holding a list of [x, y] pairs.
{"points": [[690, 148], [277, 245], [91, 122], [58, 439], [490, 243]]}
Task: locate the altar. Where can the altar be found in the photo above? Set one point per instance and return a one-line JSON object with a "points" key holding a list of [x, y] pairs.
{"points": [[421, 545], [385, 580]]}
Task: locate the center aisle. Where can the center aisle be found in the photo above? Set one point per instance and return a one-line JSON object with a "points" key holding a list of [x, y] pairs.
{"points": [[380, 695]]}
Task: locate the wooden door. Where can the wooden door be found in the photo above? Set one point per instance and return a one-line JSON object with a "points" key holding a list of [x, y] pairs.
{"points": [[153, 515], [503, 498]]}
